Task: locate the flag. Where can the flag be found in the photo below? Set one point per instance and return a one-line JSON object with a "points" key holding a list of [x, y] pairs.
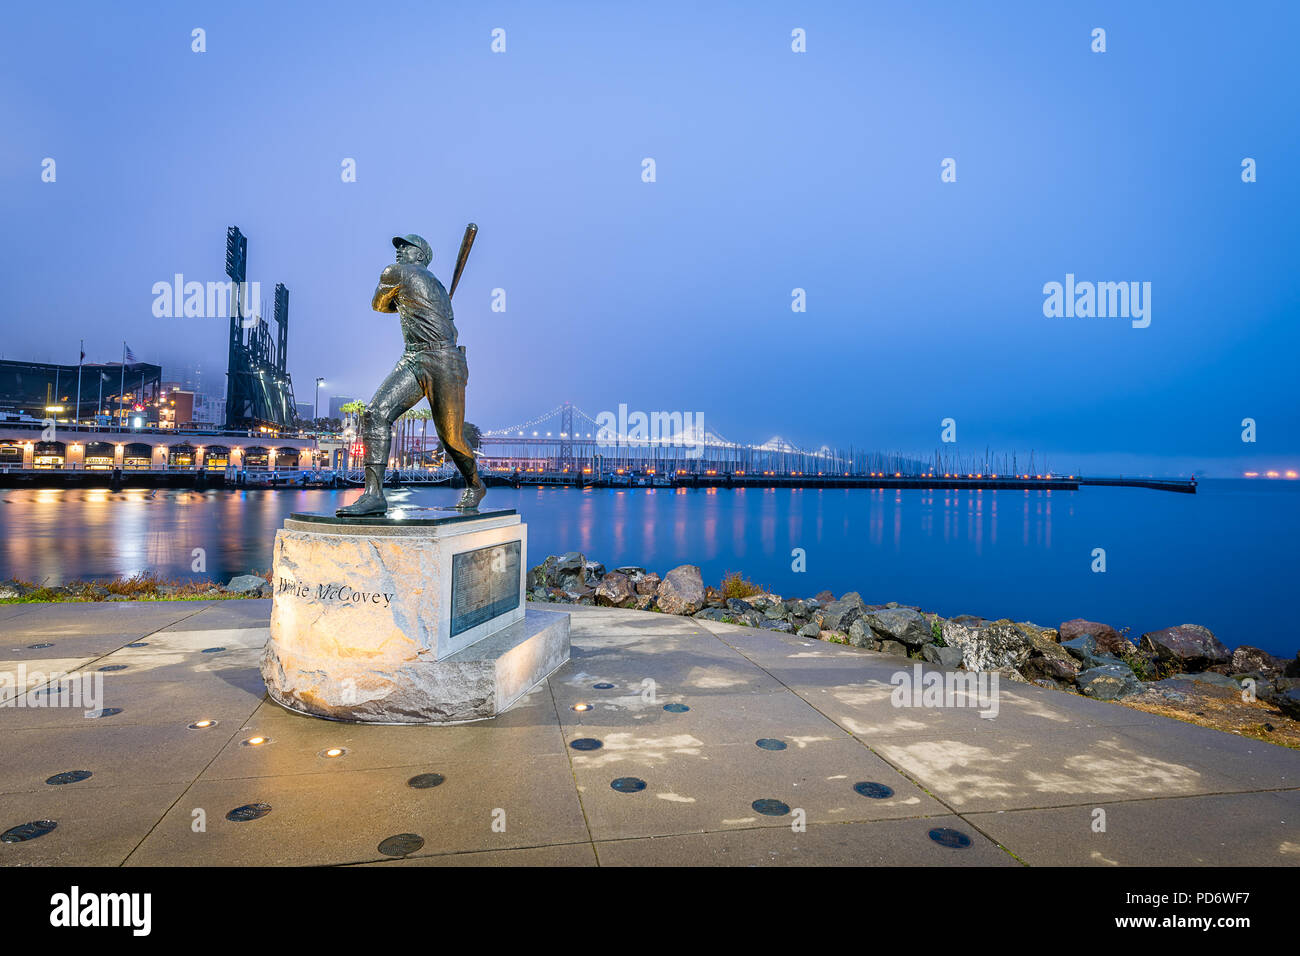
{"points": [[130, 356]]}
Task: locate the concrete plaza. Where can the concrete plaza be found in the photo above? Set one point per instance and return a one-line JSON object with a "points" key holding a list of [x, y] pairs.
{"points": [[700, 744]]}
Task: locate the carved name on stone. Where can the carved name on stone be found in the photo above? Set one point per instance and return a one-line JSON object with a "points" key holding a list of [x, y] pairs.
{"points": [[332, 593]]}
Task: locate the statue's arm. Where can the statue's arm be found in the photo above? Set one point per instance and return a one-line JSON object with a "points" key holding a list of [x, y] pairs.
{"points": [[385, 297]]}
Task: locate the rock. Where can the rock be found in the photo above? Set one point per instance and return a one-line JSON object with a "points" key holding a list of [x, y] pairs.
{"points": [[649, 584], [569, 571], [1109, 682], [738, 607], [246, 582], [1253, 660], [784, 627], [570, 561], [645, 602], [988, 647], [775, 611], [1293, 668], [1189, 646], [834, 637], [1048, 659], [1288, 702], [796, 608], [682, 591], [900, 624], [860, 634], [1040, 636], [594, 571], [1209, 677], [13, 589], [823, 597], [838, 615], [1084, 648], [539, 576], [615, 590], [1053, 668], [949, 657], [810, 630], [1108, 639], [893, 648], [968, 620], [631, 571], [720, 614]]}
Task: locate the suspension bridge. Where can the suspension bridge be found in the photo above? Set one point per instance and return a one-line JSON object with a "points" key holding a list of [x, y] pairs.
{"points": [[567, 446]]}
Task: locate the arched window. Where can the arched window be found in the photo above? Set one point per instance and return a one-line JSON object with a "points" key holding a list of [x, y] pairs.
{"points": [[99, 456], [49, 454], [137, 456], [216, 457], [181, 456]]}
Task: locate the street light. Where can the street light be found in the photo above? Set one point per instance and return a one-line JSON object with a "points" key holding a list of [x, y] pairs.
{"points": [[315, 407]]}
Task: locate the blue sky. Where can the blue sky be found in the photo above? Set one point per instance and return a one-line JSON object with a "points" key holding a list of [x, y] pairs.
{"points": [[775, 171]]}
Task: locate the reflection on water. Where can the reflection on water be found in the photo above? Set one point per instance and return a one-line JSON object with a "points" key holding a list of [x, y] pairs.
{"points": [[1223, 558]]}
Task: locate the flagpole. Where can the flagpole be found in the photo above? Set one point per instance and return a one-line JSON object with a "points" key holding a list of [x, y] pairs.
{"points": [[76, 419], [99, 407], [121, 388]]}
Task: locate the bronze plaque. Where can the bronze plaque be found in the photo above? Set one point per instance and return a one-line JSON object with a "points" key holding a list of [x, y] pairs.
{"points": [[484, 585]]}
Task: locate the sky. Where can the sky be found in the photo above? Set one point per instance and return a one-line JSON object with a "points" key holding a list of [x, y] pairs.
{"points": [[775, 170]]}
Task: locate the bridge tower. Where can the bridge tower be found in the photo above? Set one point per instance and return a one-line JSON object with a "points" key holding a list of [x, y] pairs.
{"points": [[566, 438]]}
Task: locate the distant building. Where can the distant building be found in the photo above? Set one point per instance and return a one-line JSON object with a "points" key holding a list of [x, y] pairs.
{"points": [[209, 410], [336, 404], [41, 390], [304, 411]]}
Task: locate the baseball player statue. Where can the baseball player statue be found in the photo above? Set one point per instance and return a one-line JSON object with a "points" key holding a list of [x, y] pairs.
{"points": [[432, 367]]}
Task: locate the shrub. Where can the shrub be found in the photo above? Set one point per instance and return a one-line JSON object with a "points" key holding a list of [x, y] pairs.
{"points": [[735, 586]]}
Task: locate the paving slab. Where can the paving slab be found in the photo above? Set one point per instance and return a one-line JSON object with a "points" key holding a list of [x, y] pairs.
{"points": [[564, 854], [1239, 829], [884, 843], [692, 787], [94, 827], [332, 818]]}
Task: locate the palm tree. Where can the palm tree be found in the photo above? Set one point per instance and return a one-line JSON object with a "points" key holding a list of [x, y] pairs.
{"points": [[425, 415], [351, 412]]}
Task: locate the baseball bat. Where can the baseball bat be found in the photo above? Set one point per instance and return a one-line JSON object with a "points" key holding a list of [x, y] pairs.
{"points": [[470, 232]]}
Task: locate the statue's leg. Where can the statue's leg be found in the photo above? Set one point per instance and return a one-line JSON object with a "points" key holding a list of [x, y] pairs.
{"points": [[447, 378], [399, 391]]}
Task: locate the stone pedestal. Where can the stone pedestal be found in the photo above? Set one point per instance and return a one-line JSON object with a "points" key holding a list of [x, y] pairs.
{"points": [[417, 617]]}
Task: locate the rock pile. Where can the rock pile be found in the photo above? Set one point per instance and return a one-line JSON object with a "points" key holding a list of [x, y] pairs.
{"points": [[1087, 657]]}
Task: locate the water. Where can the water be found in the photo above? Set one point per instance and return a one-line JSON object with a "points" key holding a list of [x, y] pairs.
{"points": [[1225, 558]]}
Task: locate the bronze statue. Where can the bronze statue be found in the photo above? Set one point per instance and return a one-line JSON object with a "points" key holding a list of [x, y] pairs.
{"points": [[432, 367]]}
